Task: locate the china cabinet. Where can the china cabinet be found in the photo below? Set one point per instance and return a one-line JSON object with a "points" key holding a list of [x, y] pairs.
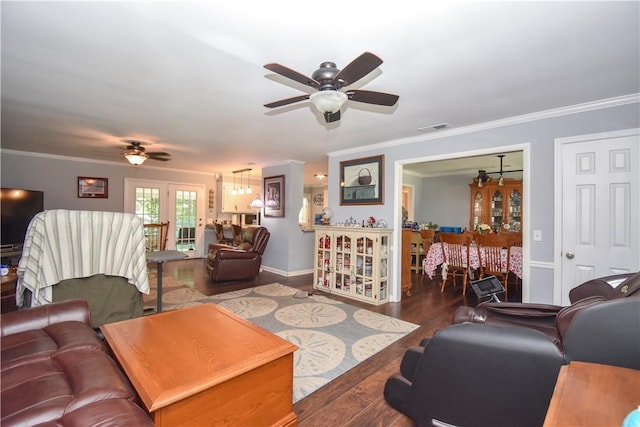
{"points": [[353, 262], [498, 206]]}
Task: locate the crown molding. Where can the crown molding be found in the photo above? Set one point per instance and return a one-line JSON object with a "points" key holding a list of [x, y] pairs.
{"points": [[102, 162], [525, 118]]}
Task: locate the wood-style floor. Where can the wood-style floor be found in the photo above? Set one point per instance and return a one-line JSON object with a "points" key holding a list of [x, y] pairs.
{"points": [[355, 398]]}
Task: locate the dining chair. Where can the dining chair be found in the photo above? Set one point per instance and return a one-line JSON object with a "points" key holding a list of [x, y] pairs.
{"points": [[237, 234], [222, 239], [428, 237], [455, 252], [156, 236], [491, 248], [515, 239]]}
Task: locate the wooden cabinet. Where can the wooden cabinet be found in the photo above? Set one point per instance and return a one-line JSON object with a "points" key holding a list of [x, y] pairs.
{"points": [[497, 205], [353, 262]]}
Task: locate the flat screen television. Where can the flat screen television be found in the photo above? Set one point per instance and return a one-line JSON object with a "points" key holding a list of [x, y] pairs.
{"points": [[18, 208]]}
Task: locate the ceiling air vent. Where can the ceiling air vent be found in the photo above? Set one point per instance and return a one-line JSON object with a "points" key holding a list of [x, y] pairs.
{"points": [[433, 128]]}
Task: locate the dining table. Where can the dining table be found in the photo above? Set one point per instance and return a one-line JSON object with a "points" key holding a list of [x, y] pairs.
{"points": [[435, 257]]}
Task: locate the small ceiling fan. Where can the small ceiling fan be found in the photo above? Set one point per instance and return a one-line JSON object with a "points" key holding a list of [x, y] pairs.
{"points": [[328, 80], [137, 155]]}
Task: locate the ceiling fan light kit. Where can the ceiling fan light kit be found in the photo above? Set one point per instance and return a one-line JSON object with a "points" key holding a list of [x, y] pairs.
{"points": [[136, 154], [136, 159], [328, 101], [328, 80]]}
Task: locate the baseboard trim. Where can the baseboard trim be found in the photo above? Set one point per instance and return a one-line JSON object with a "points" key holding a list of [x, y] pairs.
{"points": [[286, 273]]}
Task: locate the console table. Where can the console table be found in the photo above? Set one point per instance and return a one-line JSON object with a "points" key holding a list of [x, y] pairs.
{"points": [[589, 394], [205, 366]]}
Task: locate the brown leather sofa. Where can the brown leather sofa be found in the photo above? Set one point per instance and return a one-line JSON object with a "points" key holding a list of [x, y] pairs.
{"points": [[56, 371], [228, 263], [552, 320]]}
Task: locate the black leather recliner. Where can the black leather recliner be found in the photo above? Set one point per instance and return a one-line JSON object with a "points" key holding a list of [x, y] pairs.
{"points": [[499, 375], [552, 320]]}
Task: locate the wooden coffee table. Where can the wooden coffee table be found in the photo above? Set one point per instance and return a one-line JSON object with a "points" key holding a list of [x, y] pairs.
{"points": [[206, 366]]}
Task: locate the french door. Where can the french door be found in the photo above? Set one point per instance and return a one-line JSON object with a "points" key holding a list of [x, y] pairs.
{"points": [[180, 204]]}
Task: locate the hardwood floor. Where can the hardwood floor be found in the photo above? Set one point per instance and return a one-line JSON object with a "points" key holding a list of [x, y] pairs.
{"points": [[355, 398]]}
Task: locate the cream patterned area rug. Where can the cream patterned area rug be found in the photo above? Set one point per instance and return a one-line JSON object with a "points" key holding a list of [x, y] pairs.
{"points": [[332, 337]]}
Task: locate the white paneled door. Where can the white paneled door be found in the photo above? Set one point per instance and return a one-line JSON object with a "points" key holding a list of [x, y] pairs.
{"points": [[180, 204], [600, 207]]}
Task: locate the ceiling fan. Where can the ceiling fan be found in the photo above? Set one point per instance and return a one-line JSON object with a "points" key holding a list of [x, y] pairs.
{"points": [[137, 155], [483, 175], [328, 80]]}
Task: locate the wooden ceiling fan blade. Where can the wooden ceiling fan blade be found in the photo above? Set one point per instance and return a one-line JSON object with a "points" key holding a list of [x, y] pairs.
{"points": [[358, 68], [332, 117], [292, 74], [286, 101], [162, 159], [159, 153], [372, 97]]}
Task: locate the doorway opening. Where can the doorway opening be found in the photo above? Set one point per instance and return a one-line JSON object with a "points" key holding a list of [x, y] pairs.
{"points": [[442, 191]]}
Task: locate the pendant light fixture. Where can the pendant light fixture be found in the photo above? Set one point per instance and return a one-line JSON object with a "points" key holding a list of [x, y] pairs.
{"points": [[234, 191], [241, 190]]}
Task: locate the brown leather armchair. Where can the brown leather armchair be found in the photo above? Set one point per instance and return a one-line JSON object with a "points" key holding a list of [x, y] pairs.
{"points": [[227, 263]]}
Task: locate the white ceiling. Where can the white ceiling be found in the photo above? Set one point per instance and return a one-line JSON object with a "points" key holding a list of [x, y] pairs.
{"points": [[188, 77]]}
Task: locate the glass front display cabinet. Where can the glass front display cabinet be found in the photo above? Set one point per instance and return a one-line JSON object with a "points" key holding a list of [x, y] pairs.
{"points": [[353, 262]]}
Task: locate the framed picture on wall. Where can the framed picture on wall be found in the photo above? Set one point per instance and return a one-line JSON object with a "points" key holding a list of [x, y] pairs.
{"points": [[93, 188], [361, 181], [274, 196]]}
